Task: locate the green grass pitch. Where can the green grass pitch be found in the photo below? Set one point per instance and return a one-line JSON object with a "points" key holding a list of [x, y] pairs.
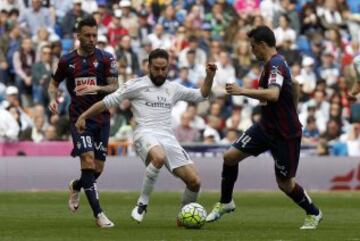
{"points": [[270, 216]]}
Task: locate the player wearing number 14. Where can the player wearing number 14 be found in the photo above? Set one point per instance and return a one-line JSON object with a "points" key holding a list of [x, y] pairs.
{"points": [[278, 130]]}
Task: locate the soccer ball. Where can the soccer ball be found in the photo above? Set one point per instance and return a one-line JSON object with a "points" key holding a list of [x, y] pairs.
{"points": [[192, 215]]}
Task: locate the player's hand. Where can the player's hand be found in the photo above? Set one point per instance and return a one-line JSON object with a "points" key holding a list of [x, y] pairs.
{"points": [[86, 89], [233, 89], [211, 70], [80, 124], [53, 106]]}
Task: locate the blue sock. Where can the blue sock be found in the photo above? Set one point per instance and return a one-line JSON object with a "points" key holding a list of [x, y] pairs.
{"points": [[77, 185], [88, 181], [300, 197]]}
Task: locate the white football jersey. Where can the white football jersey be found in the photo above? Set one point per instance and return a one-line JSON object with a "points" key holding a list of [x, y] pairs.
{"points": [[151, 104]]}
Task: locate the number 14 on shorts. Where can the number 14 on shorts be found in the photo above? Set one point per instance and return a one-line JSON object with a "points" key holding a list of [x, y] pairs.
{"points": [[243, 139]]}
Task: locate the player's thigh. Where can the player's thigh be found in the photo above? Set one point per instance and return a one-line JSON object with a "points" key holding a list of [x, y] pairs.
{"points": [[188, 174], [176, 156], [87, 160], [156, 156], [233, 156], [99, 165], [83, 143], [149, 149], [286, 155], [101, 140], [253, 141]]}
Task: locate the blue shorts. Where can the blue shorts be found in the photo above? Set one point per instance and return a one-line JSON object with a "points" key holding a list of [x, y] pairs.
{"points": [[286, 152], [95, 138]]}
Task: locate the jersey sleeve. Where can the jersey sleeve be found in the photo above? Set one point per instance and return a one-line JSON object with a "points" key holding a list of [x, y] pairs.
{"points": [[111, 68], [61, 71], [277, 73], [187, 94], [125, 91]]}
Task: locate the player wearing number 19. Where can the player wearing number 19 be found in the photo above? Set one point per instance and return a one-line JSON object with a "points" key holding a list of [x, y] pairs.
{"points": [[90, 75], [279, 130]]}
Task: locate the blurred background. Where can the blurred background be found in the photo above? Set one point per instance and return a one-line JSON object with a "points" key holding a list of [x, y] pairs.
{"points": [[318, 38]]}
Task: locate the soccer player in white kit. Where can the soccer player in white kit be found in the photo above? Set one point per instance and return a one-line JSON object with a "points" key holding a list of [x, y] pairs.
{"points": [[152, 98]]}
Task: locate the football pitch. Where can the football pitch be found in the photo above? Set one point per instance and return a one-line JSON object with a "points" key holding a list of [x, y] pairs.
{"points": [[270, 216]]}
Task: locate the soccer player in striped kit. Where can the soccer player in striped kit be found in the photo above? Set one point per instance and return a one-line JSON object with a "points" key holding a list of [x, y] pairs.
{"points": [[278, 131], [90, 75]]}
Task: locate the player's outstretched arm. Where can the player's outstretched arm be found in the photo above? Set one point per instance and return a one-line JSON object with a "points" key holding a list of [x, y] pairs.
{"points": [[271, 94], [52, 90], [209, 79], [94, 110], [113, 85]]}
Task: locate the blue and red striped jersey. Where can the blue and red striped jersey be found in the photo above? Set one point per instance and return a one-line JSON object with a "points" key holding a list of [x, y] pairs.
{"points": [[279, 118], [90, 70]]}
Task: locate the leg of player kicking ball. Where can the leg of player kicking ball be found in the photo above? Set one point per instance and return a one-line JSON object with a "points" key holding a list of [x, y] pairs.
{"points": [[301, 198], [190, 177], [156, 159], [229, 175]]}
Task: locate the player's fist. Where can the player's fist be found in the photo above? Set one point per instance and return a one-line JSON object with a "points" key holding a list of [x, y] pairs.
{"points": [[80, 124], [211, 69], [53, 106]]}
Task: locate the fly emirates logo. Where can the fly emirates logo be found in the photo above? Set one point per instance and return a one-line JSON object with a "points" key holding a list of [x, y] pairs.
{"points": [[85, 81], [160, 103]]}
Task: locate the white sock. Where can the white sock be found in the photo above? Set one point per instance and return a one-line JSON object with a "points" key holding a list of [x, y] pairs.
{"points": [[188, 197], [150, 177]]}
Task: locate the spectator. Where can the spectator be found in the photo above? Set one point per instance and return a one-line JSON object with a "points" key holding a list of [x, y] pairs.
{"points": [[125, 50], [159, 38], [72, 16], [35, 17], [200, 55], [184, 132], [184, 78], [311, 133], [230, 136], [115, 30], [129, 19], [41, 73], [23, 59], [9, 128], [168, 20]]}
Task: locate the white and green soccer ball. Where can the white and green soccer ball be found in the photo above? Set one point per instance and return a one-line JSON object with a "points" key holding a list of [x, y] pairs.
{"points": [[192, 215]]}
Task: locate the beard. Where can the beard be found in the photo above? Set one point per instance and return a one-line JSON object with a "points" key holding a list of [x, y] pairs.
{"points": [[157, 80]]}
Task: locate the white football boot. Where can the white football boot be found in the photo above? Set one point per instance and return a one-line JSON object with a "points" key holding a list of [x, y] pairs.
{"points": [[138, 212], [103, 222], [312, 221], [74, 198], [219, 210]]}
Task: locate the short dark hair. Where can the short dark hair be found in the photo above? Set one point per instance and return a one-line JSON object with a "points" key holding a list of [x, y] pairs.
{"points": [[88, 21], [158, 53], [263, 34]]}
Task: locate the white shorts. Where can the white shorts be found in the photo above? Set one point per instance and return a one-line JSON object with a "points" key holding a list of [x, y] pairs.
{"points": [[176, 156]]}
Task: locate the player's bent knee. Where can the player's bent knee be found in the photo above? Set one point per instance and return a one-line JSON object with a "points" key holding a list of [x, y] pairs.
{"points": [[158, 162], [194, 183], [285, 185], [230, 159]]}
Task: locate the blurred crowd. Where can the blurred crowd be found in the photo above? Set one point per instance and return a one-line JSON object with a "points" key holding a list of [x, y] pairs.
{"points": [[318, 38]]}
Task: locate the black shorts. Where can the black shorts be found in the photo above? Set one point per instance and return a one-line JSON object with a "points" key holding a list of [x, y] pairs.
{"points": [[286, 152], [95, 138]]}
